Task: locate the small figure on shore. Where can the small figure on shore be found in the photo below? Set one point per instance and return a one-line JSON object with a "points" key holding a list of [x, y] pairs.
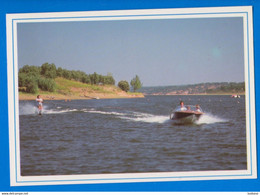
{"points": [[39, 101]]}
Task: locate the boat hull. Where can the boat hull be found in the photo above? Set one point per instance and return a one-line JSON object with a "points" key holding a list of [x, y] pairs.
{"points": [[185, 117]]}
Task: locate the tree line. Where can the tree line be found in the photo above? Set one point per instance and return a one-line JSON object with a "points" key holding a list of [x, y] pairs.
{"points": [[32, 78]]}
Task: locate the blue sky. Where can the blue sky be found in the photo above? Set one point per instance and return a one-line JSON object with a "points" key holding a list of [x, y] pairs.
{"points": [[160, 52]]}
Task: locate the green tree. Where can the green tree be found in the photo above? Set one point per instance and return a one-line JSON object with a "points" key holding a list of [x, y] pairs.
{"points": [[85, 79], [32, 85], [124, 85], [109, 80], [30, 70], [66, 74], [136, 83], [49, 70], [47, 84], [76, 75], [94, 78], [59, 72], [22, 79]]}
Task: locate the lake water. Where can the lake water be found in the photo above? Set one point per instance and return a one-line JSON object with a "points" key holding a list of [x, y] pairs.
{"points": [[131, 136]]}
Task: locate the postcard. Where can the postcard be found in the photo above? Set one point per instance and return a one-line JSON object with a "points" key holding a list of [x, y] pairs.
{"points": [[131, 96]]}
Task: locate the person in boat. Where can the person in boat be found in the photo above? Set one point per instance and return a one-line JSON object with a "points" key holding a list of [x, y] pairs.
{"points": [[39, 102], [198, 108], [182, 107]]}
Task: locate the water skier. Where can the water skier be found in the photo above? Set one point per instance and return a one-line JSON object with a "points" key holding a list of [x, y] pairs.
{"points": [[39, 101]]}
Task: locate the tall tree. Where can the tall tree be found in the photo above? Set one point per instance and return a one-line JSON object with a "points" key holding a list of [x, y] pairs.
{"points": [[48, 70], [136, 83], [59, 72]]}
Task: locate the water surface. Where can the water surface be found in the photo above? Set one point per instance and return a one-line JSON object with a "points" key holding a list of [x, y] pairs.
{"points": [[131, 136]]}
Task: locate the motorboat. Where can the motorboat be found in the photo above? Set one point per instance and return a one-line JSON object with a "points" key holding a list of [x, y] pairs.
{"points": [[235, 96], [186, 114]]}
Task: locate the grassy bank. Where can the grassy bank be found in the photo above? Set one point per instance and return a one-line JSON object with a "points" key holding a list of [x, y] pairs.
{"points": [[68, 89]]}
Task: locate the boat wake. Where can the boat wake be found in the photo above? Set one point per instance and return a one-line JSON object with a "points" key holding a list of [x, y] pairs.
{"points": [[134, 116], [147, 118], [210, 119], [29, 109]]}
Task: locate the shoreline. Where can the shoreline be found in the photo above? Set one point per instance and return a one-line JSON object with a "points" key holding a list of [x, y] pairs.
{"points": [[229, 94], [46, 97], [104, 96]]}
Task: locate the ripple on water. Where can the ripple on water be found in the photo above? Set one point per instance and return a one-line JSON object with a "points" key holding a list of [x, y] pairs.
{"points": [[128, 135]]}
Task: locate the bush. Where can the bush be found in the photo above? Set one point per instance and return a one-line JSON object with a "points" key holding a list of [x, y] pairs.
{"points": [[49, 71], [47, 84], [32, 87], [124, 85], [30, 70], [85, 79], [66, 74], [94, 78], [22, 79], [59, 72], [109, 80]]}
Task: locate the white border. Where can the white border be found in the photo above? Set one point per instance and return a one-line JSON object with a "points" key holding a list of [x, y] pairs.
{"points": [[13, 104]]}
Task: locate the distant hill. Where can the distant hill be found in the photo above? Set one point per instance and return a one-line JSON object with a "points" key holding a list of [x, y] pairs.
{"points": [[202, 88]]}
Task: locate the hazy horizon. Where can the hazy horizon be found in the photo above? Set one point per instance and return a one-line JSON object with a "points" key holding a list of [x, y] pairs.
{"points": [[192, 84]]}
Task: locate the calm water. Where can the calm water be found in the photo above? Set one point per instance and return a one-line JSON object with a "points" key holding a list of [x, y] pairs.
{"points": [[131, 135]]}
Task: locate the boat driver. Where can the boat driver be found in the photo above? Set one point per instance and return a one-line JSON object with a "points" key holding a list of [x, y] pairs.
{"points": [[182, 107]]}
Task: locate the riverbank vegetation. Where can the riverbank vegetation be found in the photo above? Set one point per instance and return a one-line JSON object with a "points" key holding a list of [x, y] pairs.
{"points": [[33, 78], [124, 85], [59, 82]]}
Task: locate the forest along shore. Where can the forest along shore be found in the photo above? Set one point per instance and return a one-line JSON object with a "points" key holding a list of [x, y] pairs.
{"points": [[69, 89], [56, 83]]}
